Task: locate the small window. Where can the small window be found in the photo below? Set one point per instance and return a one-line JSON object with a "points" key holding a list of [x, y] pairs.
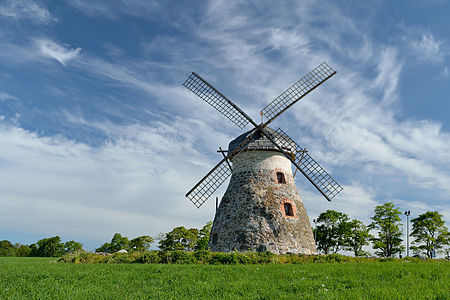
{"points": [[215, 237], [280, 177], [288, 211]]}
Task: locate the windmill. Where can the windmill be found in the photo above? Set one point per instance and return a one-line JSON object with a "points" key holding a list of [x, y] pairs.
{"points": [[261, 208]]}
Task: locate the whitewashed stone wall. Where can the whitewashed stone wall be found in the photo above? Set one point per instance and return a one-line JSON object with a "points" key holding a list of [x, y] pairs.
{"points": [[251, 215]]}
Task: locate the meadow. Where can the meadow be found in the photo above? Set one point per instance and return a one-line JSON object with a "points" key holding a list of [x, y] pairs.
{"points": [[45, 278]]}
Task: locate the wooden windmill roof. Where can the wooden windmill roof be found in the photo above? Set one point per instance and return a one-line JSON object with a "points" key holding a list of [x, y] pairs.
{"points": [[262, 142]]}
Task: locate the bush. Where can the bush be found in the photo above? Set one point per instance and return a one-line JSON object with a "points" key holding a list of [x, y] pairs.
{"points": [[385, 259], [331, 258], [203, 256], [151, 257], [208, 257], [177, 257], [182, 257], [120, 258], [229, 258]]}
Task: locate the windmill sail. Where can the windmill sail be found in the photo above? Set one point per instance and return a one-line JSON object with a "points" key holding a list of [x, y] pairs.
{"points": [[317, 175], [214, 179], [326, 185], [216, 99], [297, 91], [209, 184]]}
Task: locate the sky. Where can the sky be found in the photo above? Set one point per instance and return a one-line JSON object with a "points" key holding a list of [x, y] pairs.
{"points": [[98, 135]]}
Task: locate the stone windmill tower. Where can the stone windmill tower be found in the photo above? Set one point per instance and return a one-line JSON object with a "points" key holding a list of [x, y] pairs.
{"points": [[261, 208]]}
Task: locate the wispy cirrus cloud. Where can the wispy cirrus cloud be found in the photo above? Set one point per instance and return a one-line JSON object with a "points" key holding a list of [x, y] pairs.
{"points": [[26, 10], [115, 8], [353, 125], [5, 96], [139, 176], [61, 53], [427, 47]]}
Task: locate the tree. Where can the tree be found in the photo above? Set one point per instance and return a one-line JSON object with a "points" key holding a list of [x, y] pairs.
{"points": [[72, 246], [179, 238], [429, 232], [104, 248], [22, 250], [6, 248], [118, 242], [33, 250], [387, 221], [50, 247], [203, 237], [141, 243], [358, 237], [332, 232]]}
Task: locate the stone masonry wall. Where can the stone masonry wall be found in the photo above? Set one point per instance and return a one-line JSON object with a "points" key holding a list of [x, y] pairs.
{"points": [[251, 215]]}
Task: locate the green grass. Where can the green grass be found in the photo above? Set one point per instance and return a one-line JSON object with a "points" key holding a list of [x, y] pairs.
{"points": [[44, 278]]}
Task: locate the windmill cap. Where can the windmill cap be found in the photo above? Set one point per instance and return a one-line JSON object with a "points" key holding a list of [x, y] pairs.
{"points": [[263, 143]]}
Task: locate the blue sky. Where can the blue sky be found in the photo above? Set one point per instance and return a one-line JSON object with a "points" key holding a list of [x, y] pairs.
{"points": [[97, 134]]}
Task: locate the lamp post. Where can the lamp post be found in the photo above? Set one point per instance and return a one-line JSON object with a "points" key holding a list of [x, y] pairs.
{"points": [[315, 230], [407, 214]]}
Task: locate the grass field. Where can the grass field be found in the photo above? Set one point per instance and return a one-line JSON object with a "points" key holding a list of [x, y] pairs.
{"points": [[44, 278]]}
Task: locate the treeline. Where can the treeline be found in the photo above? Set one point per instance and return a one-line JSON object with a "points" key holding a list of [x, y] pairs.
{"points": [[179, 238], [46, 247], [334, 232]]}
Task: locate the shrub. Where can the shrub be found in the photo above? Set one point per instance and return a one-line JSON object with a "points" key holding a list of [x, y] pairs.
{"points": [[203, 256], [119, 258], [182, 257], [333, 258], [151, 257], [385, 259], [225, 258]]}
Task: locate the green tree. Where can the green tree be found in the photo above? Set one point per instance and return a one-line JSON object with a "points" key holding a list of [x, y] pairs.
{"points": [[104, 248], [179, 238], [358, 236], [50, 247], [119, 242], [141, 243], [72, 246], [7, 248], [387, 221], [22, 250], [203, 237], [430, 233], [332, 231], [33, 250]]}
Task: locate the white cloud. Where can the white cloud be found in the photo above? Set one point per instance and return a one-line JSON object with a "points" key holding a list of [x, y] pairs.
{"points": [[26, 9], [115, 8], [428, 47], [61, 53], [134, 183], [353, 120], [352, 125], [5, 96]]}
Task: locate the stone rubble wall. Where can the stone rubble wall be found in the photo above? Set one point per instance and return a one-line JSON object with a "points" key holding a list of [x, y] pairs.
{"points": [[251, 214]]}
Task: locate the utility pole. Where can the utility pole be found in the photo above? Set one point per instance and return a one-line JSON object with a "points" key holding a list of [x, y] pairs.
{"points": [[407, 214], [315, 230]]}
